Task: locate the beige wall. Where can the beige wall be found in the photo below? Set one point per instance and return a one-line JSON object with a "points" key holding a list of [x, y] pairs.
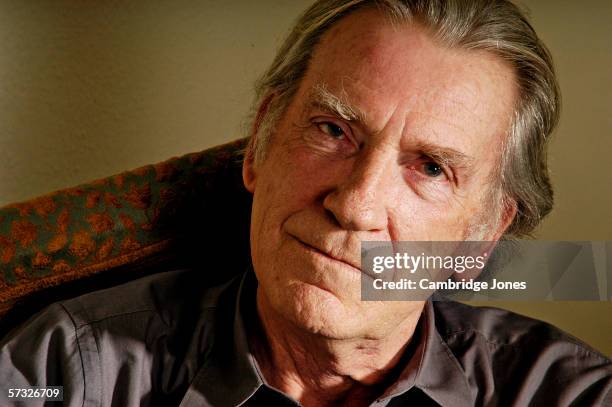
{"points": [[88, 89]]}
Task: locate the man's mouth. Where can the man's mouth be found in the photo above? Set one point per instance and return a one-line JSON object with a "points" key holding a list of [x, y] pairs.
{"points": [[318, 251]]}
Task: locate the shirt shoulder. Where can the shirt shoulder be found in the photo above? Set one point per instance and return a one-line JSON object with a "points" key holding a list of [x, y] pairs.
{"points": [[148, 332], [499, 327], [525, 359], [44, 352], [161, 294]]}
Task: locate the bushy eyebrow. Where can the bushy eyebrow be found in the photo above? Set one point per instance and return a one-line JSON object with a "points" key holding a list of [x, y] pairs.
{"points": [[321, 98], [445, 155]]}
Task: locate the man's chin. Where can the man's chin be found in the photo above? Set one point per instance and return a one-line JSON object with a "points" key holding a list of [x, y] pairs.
{"points": [[319, 311]]}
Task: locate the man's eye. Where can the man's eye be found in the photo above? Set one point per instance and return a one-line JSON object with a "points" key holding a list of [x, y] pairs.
{"points": [[432, 169], [427, 168], [332, 130]]}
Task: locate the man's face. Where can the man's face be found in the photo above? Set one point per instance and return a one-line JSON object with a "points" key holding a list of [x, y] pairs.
{"points": [[410, 160]]}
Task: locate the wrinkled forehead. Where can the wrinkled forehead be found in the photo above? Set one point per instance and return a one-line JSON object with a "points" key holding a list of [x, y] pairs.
{"points": [[382, 69]]}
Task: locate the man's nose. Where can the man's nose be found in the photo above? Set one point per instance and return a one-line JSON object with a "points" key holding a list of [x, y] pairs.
{"points": [[361, 200]]}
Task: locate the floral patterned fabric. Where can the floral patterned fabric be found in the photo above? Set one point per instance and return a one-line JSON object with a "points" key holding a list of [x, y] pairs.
{"points": [[178, 213]]}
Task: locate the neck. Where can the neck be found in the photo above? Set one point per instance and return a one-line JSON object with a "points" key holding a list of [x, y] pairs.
{"points": [[317, 370]]}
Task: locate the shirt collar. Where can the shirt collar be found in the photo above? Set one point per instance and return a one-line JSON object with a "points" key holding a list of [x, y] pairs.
{"points": [[442, 377], [433, 368], [229, 375]]}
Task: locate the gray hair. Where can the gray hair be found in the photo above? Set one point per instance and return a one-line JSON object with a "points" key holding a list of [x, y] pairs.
{"points": [[497, 26]]}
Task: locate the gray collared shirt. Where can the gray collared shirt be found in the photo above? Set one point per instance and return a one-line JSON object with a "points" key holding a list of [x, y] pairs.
{"points": [[167, 339]]}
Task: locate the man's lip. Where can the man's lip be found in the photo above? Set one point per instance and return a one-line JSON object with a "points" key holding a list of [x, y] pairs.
{"points": [[323, 253]]}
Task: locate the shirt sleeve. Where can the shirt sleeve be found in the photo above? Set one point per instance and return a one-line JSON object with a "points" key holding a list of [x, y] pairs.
{"points": [[45, 351]]}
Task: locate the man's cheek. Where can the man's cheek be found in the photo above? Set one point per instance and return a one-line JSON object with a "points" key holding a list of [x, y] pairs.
{"points": [[427, 223]]}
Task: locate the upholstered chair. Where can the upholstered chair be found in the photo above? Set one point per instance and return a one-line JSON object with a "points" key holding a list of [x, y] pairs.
{"points": [[187, 212]]}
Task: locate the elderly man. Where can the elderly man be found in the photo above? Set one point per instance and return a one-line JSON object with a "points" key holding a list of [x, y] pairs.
{"points": [[378, 121]]}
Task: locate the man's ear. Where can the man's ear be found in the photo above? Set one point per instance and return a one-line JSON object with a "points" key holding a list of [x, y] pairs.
{"points": [[249, 170], [508, 213], [484, 244], [248, 166]]}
